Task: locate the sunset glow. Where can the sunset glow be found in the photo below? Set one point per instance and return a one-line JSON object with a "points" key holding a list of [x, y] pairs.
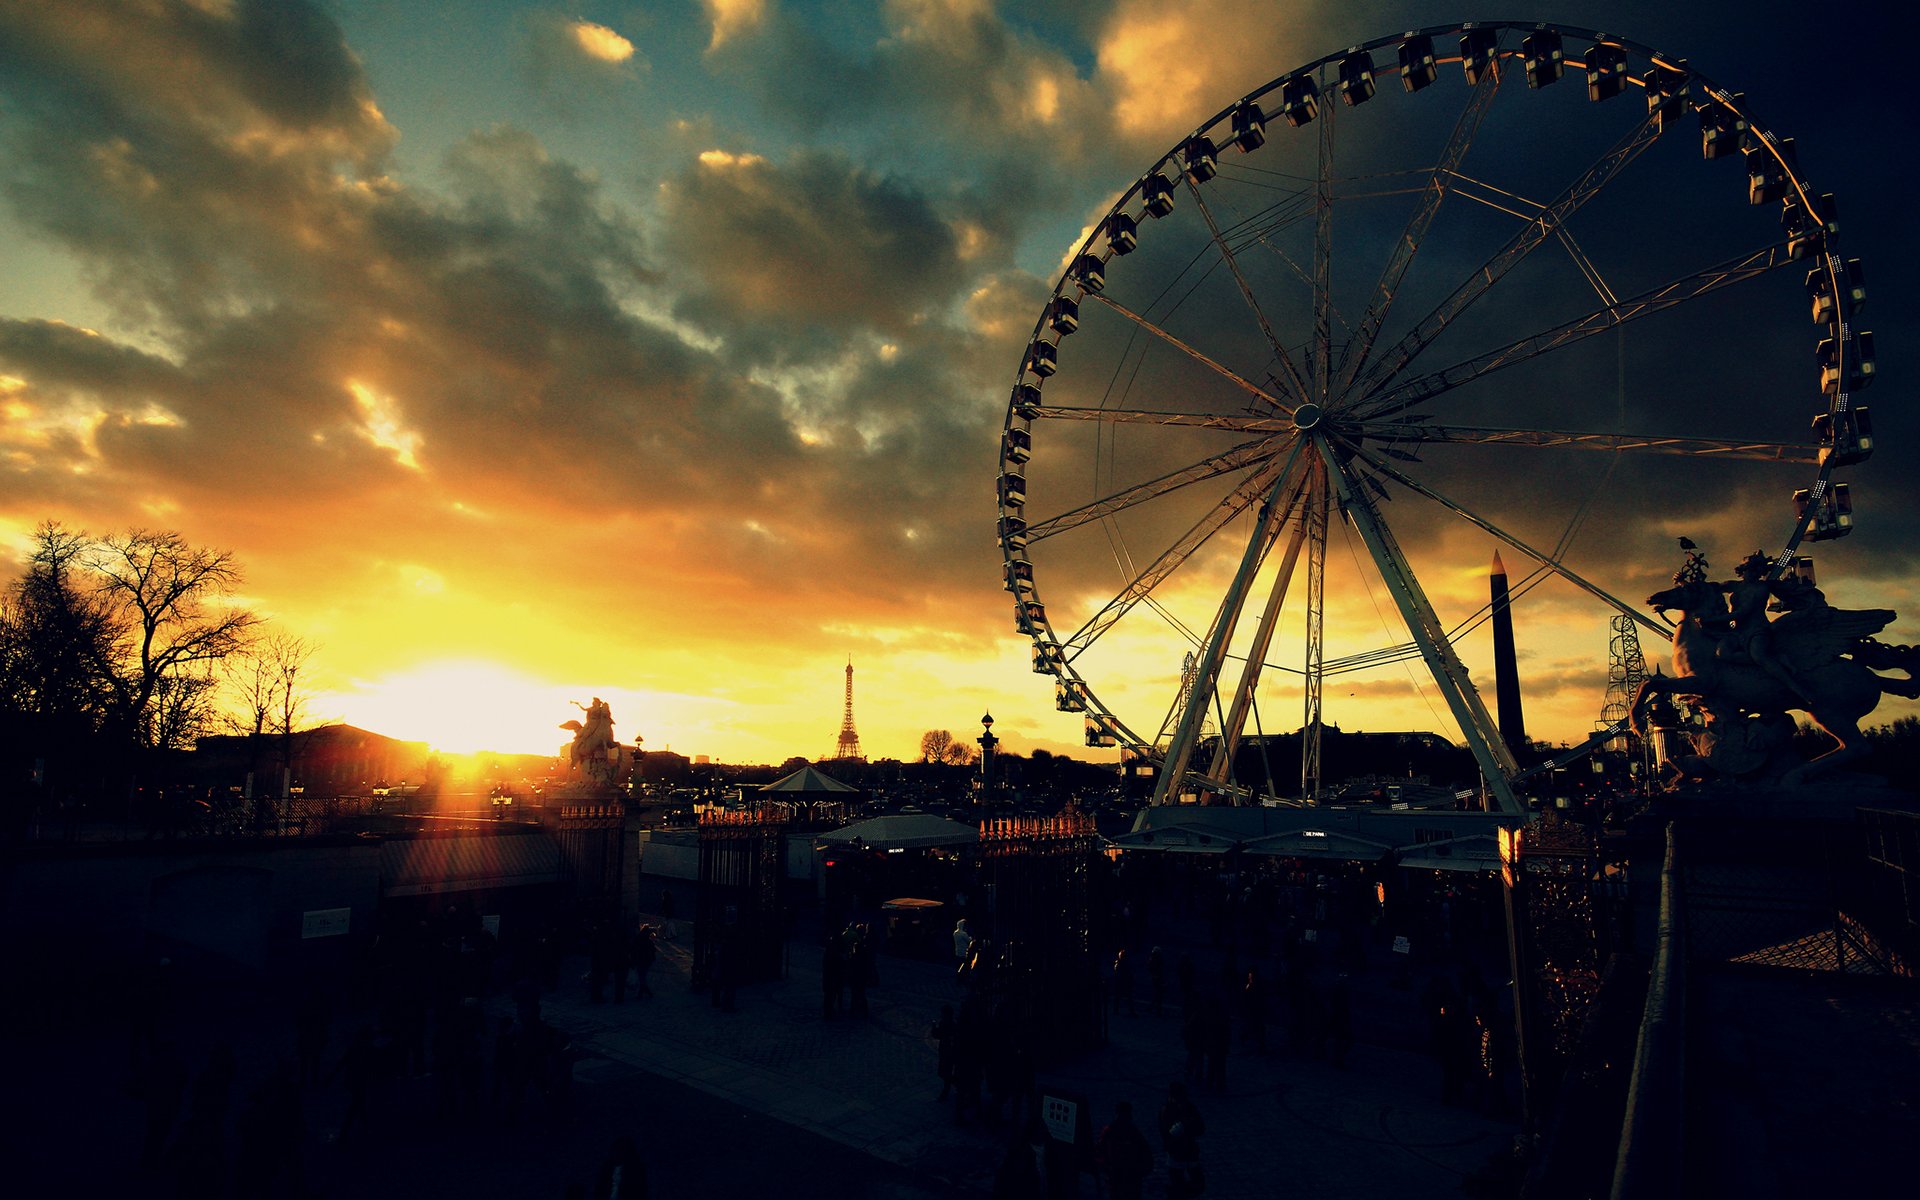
{"points": [[667, 360]]}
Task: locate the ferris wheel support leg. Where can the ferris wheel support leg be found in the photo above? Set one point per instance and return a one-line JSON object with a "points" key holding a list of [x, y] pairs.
{"points": [[1449, 673], [1173, 770], [1236, 721]]}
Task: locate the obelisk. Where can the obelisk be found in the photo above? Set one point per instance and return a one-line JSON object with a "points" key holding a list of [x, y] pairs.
{"points": [[1506, 675]]}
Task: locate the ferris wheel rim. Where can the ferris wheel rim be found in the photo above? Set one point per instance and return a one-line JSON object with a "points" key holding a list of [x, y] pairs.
{"points": [[1283, 425]]}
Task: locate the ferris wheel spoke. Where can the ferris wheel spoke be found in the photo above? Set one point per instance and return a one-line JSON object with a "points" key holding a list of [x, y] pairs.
{"points": [[1246, 291], [1451, 155], [1239, 381], [1551, 562], [1233, 422], [1244, 455], [1421, 389], [1323, 261], [1516, 249], [1236, 502], [1449, 673], [1403, 432]]}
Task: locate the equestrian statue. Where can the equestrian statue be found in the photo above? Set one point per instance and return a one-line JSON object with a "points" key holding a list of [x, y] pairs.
{"points": [[1744, 671]]}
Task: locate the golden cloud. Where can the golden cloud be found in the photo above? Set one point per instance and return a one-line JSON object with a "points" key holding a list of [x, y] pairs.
{"points": [[731, 18], [600, 43]]}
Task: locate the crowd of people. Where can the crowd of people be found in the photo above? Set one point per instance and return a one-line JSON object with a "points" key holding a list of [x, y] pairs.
{"points": [[236, 1125]]}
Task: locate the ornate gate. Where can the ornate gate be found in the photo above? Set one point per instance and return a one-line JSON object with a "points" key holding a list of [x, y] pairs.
{"points": [[1044, 876], [739, 920]]}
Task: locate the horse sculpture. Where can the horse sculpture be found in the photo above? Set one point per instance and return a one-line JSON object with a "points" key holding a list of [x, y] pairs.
{"points": [[1829, 653], [592, 740]]}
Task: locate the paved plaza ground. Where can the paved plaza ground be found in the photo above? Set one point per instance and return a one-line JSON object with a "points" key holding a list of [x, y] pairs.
{"points": [[767, 1100]]}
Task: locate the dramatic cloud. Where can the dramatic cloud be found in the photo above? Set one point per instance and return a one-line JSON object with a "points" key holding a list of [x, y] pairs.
{"points": [[709, 402], [818, 242], [731, 18]]}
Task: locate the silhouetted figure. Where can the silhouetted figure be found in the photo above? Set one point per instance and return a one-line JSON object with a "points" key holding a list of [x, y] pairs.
{"points": [[642, 954], [943, 1035], [623, 1176], [1193, 1038], [1184, 973], [161, 1081], [526, 1001], [1219, 1037], [1123, 982], [861, 971], [1181, 1125], [310, 1035], [1339, 1022], [1253, 1012], [506, 1050], [270, 1133], [969, 1057], [1125, 1157], [666, 913], [361, 1065], [832, 979], [725, 970], [1019, 1175]]}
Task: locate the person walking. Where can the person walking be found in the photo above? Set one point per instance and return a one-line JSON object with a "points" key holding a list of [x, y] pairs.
{"points": [[1181, 1125], [861, 973], [943, 1036], [832, 979], [623, 1175], [962, 941], [642, 953], [1125, 1157], [1123, 982]]}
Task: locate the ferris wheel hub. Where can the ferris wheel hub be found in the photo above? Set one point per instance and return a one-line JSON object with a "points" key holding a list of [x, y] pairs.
{"points": [[1307, 416]]}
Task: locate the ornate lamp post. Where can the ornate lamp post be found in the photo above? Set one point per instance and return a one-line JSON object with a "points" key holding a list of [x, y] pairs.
{"points": [[987, 743]]}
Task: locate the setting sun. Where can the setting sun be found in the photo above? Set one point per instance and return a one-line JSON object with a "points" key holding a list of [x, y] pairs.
{"points": [[463, 706]]}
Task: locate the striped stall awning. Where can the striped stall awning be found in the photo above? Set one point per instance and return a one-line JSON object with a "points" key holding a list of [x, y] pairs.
{"points": [[429, 865]]}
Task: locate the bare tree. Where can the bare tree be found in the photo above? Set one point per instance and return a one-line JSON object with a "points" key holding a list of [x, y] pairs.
{"points": [[170, 595], [959, 754], [288, 655], [934, 743]]}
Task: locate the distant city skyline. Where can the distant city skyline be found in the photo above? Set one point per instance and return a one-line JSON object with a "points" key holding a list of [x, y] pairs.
{"points": [[660, 353]]}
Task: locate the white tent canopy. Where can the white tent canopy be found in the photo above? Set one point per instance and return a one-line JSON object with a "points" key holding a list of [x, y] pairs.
{"points": [[903, 831]]}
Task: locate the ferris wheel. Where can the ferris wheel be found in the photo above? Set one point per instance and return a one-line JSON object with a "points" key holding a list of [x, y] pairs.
{"points": [[1359, 333]]}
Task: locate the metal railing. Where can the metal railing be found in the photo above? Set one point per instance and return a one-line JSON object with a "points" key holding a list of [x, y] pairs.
{"points": [[1652, 1155]]}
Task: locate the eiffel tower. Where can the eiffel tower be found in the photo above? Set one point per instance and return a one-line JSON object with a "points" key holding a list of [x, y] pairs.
{"points": [[848, 744], [1626, 670]]}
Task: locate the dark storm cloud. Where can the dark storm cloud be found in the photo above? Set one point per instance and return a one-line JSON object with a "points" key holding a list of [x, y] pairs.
{"points": [[338, 341], [181, 189], [817, 243]]}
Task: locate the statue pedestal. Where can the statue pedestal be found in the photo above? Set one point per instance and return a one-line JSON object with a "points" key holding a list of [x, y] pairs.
{"points": [[1832, 799], [1769, 874], [583, 791]]}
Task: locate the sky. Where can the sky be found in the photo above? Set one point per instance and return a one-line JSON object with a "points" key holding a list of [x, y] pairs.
{"points": [[661, 352]]}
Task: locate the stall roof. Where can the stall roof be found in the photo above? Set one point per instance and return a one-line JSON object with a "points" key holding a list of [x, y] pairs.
{"points": [[1179, 839], [423, 866], [1318, 843], [806, 779], [1461, 854], [903, 831]]}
